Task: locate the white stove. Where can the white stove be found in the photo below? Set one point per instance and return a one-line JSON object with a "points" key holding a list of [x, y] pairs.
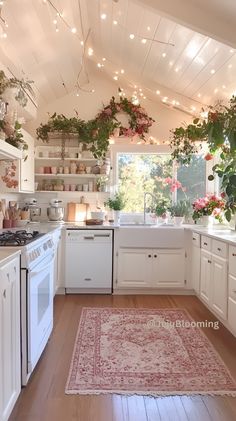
{"points": [[37, 267]]}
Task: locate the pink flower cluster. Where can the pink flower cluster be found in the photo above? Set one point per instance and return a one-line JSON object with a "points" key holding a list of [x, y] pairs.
{"points": [[174, 184], [209, 205]]}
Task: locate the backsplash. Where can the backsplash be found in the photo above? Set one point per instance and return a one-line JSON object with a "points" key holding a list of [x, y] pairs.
{"points": [[94, 200]]}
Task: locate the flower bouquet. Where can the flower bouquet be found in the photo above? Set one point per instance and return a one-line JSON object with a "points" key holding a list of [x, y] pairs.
{"points": [[210, 205]]}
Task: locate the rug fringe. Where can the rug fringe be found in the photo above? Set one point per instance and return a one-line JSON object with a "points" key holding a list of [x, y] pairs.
{"points": [[152, 394]]}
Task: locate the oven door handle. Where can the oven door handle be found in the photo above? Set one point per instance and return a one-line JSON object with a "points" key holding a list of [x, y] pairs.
{"points": [[43, 267]]}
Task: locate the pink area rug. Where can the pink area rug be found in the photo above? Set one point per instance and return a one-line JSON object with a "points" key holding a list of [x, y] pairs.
{"points": [[146, 352]]}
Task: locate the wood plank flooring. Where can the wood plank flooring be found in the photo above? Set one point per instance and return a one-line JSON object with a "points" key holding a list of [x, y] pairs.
{"points": [[44, 398]]}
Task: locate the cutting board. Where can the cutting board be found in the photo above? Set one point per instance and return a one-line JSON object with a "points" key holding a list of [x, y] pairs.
{"points": [[77, 212]]}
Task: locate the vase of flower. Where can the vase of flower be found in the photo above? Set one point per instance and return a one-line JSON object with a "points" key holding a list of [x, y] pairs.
{"points": [[205, 221]]}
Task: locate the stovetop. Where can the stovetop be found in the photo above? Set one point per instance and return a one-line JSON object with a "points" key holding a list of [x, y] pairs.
{"points": [[18, 238]]}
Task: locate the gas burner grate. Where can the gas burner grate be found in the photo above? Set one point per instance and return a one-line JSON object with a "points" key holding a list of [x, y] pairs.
{"points": [[18, 238]]}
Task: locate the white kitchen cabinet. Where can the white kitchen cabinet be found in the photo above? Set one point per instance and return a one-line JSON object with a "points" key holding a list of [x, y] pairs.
{"points": [[134, 268], [10, 363], [57, 260], [168, 268], [232, 303], [152, 268], [23, 170], [232, 289], [205, 283], [196, 262], [219, 286], [213, 282]]}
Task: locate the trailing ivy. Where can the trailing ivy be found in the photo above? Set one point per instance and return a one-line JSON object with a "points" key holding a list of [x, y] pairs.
{"points": [[218, 131]]}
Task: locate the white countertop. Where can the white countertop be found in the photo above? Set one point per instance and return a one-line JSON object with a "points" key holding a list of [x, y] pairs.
{"points": [[223, 234], [7, 254]]}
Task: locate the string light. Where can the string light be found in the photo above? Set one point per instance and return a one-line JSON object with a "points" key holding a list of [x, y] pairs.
{"points": [[131, 36], [90, 51], [115, 22], [103, 16]]}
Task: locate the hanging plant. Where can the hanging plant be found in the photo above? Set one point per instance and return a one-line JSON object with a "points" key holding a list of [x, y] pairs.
{"points": [[23, 88], [218, 132], [95, 133]]}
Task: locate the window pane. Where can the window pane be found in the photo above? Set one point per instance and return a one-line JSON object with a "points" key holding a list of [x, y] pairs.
{"points": [[193, 179], [139, 173]]}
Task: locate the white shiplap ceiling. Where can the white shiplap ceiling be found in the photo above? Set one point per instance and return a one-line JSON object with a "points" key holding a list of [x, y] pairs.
{"points": [[196, 70]]}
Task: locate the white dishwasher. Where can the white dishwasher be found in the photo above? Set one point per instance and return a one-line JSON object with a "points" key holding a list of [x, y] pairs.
{"points": [[88, 263]]}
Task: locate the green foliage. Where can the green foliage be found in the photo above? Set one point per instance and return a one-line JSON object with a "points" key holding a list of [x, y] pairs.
{"points": [[182, 208], [218, 131], [162, 207], [117, 203], [16, 138], [95, 133]]}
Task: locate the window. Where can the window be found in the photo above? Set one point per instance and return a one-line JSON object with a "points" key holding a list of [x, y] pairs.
{"points": [[193, 179], [139, 172]]}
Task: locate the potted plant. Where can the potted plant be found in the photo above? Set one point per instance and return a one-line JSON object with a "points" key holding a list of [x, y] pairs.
{"points": [[102, 183], [210, 205], [161, 209], [117, 203], [180, 210]]}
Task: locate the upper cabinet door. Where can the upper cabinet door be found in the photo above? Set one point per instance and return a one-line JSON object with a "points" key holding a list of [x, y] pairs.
{"points": [[26, 167]]}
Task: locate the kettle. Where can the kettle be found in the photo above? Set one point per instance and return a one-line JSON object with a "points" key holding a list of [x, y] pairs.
{"points": [[35, 211]]}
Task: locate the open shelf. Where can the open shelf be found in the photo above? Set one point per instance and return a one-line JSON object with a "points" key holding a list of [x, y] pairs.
{"points": [[68, 175], [44, 158], [71, 192]]}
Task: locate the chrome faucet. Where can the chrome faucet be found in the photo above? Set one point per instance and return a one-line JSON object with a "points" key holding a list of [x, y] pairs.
{"points": [[145, 205]]}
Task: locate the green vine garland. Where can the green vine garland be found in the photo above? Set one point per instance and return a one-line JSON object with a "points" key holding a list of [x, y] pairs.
{"points": [[95, 133]]}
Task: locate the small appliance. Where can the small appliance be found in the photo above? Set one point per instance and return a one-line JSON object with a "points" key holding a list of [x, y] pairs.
{"points": [[35, 211], [55, 212]]}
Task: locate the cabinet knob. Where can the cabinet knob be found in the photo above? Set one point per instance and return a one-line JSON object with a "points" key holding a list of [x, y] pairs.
{"points": [[26, 179], [209, 261], [205, 244], [234, 291], [194, 239], [149, 256], [155, 255], [234, 254], [4, 293], [219, 249]]}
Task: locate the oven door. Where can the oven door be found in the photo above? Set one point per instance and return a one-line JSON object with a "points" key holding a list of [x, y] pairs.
{"points": [[40, 308]]}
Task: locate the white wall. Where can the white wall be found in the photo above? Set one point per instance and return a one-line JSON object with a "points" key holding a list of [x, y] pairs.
{"points": [[89, 104]]}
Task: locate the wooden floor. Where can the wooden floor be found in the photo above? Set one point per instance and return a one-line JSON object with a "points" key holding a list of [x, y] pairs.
{"points": [[44, 398]]}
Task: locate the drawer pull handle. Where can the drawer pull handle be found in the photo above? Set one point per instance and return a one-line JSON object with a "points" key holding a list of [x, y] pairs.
{"points": [[88, 238], [218, 248], [149, 256], [4, 293], [209, 261], [205, 244], [234, 254], [87, 279]]}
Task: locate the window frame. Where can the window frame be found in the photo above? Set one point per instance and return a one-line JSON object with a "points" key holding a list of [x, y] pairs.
{"points": [[212, 187]]}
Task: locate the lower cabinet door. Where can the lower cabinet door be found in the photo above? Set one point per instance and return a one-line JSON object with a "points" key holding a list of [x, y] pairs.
{"points": [[168, 268], [196, 265], [10, 371], [134, 268], [232, 314], [205, 279], [219, 286]]}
